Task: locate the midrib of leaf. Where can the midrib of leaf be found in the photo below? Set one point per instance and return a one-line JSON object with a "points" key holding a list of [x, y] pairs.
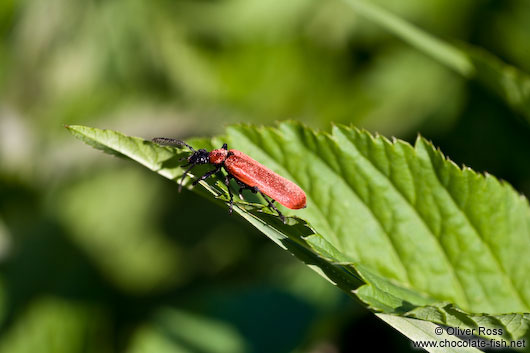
{"points": [[476, 232]]}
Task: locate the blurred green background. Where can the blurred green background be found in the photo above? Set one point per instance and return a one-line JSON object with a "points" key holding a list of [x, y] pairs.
{"points": [[98, 254]]}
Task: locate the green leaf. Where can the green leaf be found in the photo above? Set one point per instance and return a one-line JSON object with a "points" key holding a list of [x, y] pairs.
{"points": [[423, 331], [510, 83], [401, 227]]}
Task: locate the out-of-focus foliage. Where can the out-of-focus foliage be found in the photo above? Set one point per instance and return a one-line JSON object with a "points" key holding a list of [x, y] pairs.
{"points": [[182, 68], [511, 84]]}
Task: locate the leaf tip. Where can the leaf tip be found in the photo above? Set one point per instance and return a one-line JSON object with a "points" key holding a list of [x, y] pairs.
{"points": [[419, 139]]}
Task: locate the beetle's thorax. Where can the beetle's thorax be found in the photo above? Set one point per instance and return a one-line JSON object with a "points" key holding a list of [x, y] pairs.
{"points": [[218, 156]]}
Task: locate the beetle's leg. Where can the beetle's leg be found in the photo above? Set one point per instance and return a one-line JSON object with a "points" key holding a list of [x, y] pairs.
{"points": [[255, 190], [184, 176], [271, 205], [227, 183], [242, 186], [207, 175]]}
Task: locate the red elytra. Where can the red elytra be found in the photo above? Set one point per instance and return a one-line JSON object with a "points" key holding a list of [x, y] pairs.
{"points": [[255, 174]]}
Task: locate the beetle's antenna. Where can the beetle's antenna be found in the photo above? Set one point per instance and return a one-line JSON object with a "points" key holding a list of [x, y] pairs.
{"points": [[167, 141]]}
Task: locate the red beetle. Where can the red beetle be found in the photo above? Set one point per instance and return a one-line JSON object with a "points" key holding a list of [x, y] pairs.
{"points": [[248, 173]]}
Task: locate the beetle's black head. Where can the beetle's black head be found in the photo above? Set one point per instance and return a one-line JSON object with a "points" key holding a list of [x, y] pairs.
{"points": [[201, 156]]}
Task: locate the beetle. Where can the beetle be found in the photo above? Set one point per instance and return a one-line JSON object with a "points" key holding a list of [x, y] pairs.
{"points": [[248, 173]]}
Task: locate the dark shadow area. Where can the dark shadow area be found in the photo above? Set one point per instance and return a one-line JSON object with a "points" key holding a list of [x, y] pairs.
{"points": [[489, 137]]}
